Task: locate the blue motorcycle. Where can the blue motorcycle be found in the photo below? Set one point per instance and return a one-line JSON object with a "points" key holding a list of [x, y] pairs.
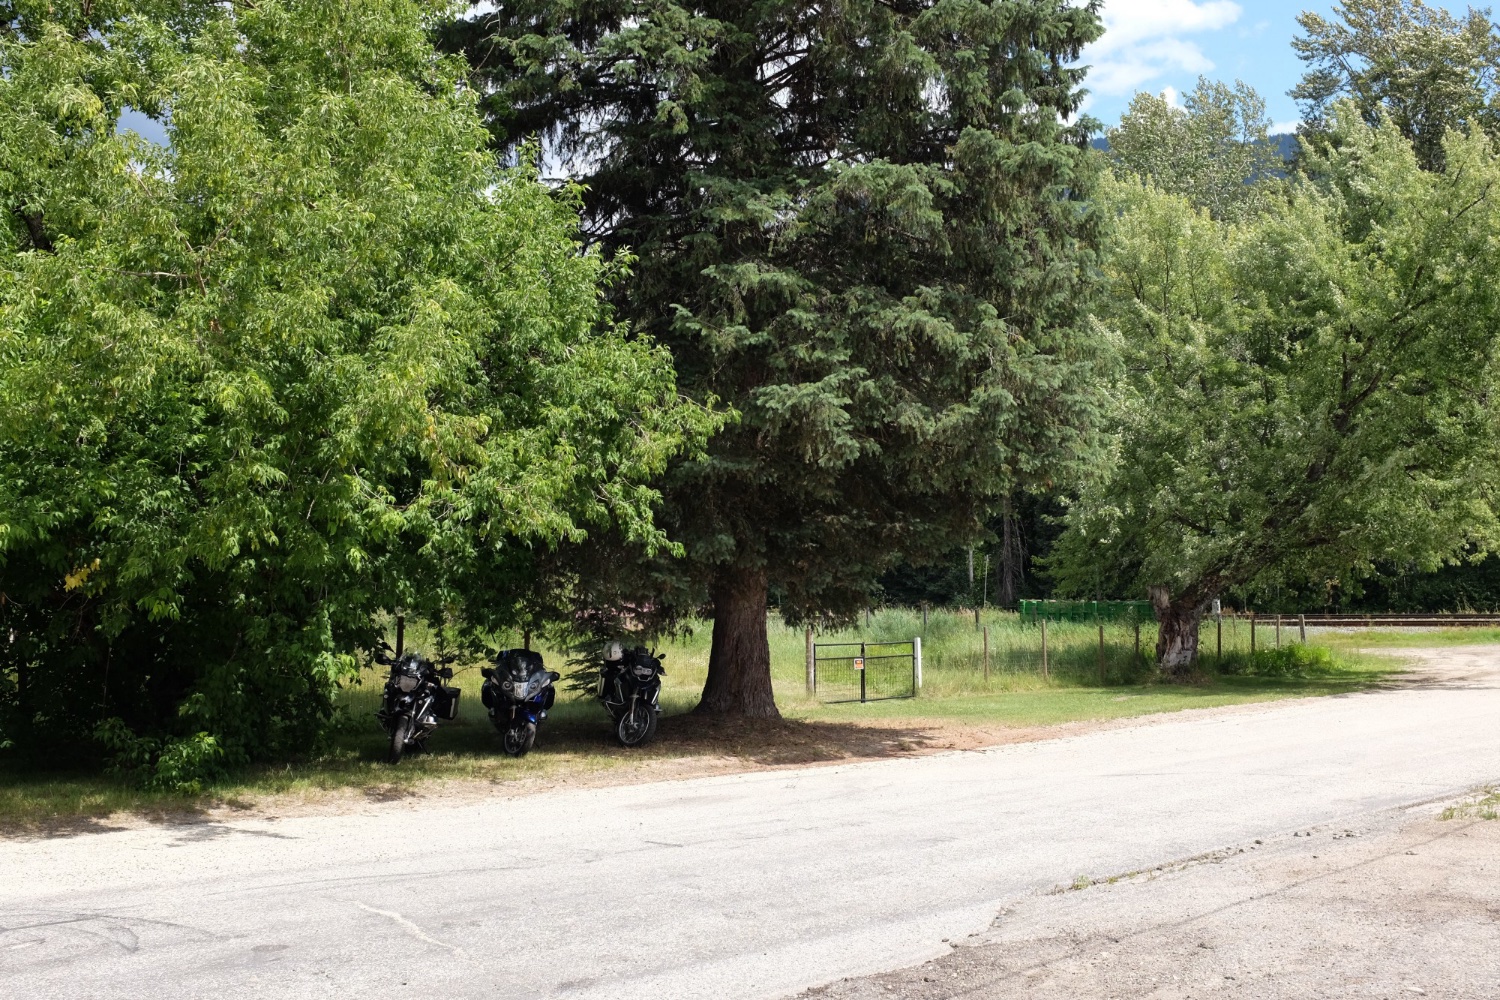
{"points": [[518, 690]]}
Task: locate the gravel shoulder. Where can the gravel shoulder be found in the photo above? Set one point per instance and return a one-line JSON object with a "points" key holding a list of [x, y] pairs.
{"points": [[1395, 905], [1400, 905]]}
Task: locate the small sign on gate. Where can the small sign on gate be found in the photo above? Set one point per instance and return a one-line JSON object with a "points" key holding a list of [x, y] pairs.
{"points": [[859, 663]]}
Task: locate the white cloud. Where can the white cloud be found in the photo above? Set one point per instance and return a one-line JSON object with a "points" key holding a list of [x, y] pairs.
{"points": [[1285, 128], [1146, 39]]}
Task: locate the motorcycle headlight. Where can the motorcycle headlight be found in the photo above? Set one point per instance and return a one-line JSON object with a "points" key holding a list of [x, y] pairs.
{"points": [[406, 683], [644, 673]]}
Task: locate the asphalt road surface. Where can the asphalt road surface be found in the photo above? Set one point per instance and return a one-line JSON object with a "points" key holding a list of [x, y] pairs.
{"points": [[746, 886]]}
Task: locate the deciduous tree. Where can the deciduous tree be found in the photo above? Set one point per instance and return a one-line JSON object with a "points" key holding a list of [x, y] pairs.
{"points": [[318, 355], [1215, 149], [1428, 71], [1307, 390]]}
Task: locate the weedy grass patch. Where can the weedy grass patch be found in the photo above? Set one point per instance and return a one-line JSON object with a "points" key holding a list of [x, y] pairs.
{"points": [[1483, 804], [1414, 638]]}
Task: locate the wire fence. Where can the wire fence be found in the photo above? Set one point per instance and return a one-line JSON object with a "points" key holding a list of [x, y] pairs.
{"points": [[969, 650]]}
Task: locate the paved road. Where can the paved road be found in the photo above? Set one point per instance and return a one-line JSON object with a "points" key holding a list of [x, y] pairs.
{"points": [[754, 885]]}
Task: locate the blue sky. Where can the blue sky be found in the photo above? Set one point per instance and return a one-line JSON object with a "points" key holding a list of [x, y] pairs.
{"points": [[1158, 44]]}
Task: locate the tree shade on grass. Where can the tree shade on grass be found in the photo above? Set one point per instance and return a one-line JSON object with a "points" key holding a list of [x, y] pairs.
{"points": [[865, 229], [317, 356]]}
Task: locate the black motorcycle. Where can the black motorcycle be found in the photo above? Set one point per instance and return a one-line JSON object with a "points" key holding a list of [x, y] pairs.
{"points": [[630, 688], [415, 700], [518, 692]]}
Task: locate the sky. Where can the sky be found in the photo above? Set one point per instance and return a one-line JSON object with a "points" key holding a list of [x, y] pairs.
{"points": [[1157, 45]]}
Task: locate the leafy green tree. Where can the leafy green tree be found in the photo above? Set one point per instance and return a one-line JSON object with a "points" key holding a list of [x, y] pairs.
{"points": [[861, 227], [318, 355], [1212, 150], [1427, 70], [1305, 391]]}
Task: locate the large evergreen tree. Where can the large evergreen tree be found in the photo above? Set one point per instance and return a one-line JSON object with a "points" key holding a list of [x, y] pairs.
{"points": [[861, 226]]}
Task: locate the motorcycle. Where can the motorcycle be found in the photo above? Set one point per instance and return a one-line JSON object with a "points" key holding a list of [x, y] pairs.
{"points": [[518, 692], [415, 700], [630, 688]]}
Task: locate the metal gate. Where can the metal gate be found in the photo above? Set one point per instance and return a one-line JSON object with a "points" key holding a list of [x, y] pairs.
{"points": [[865, 671]]}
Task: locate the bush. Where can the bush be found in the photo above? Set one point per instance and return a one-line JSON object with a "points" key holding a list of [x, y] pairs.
{"points": [[181, 765], [1294, 662], [319, 354]]}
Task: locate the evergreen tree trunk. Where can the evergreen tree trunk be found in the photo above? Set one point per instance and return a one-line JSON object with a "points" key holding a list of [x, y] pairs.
{"points": [[1177, 640], [739, 665]]}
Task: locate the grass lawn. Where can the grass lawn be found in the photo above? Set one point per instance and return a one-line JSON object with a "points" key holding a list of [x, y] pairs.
{"points": [[958, 706], [1359, 638]]}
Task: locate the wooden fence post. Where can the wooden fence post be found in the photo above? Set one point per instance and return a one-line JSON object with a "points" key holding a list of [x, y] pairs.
{"points": [[1219, 637], [400, 634], [1252, 633], [986, 654], [812, 665], [1302, 628], [1278, 631]]}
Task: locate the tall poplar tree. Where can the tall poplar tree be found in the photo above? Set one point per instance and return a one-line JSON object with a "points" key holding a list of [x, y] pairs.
{"points": [[861, 226]]}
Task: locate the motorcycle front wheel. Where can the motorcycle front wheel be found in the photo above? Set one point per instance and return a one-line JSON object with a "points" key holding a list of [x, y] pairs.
{"points": [[519, 738], [399, 733], [637, 725]]}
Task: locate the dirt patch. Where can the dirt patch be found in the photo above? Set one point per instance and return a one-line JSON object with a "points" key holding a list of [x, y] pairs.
{"points": [[1408, 910]]}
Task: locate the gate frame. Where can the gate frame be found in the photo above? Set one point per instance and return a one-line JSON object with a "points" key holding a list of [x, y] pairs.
{"points": [[915, 655]]}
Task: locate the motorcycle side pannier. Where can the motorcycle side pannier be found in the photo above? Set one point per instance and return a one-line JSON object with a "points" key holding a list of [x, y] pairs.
{"points": [[446, 703]]}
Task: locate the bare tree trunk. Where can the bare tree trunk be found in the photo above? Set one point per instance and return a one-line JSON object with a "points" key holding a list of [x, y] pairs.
{"points": [[739, 664], [1012, 556], [1177, 641]]}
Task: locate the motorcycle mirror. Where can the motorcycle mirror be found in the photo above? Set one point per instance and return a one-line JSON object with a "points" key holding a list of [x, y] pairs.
{"points": [[486, 672], [554, 675], [383, 658], [382, 644]]}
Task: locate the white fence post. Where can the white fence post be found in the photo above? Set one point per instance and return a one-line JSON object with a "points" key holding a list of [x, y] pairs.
{"points": [[916, 664]]}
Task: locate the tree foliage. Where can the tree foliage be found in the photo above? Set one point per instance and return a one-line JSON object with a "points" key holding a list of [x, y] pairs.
{"points": [[1306, 390], [1426, 70], [1215, 149], [318, 355], [864, 228]]}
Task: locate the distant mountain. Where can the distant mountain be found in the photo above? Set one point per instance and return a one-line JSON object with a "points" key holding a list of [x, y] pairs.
{"points": [[1286, 145]]}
